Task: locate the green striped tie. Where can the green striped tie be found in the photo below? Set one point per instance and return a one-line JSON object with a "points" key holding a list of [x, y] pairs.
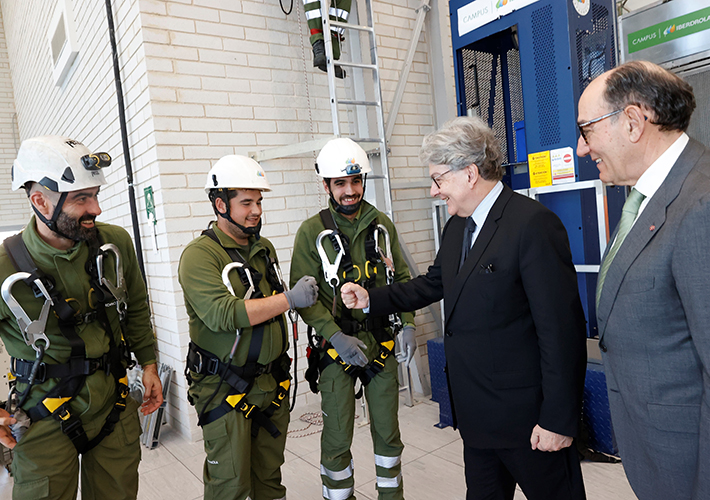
{"points": [[628, 216]]}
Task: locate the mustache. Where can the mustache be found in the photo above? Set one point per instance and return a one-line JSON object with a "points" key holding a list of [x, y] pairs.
{"points": [[90, 218]]}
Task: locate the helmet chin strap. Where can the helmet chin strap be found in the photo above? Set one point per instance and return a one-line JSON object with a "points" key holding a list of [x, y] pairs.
{"points": [[52, 223], [251, 231], [343, 209], [350, 209]]}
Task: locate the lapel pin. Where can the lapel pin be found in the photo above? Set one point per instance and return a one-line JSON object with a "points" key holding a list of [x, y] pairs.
{"points": [[652, 228]]}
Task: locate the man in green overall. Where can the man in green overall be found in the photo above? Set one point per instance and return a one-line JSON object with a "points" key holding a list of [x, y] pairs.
{"points": [[339, 11], [364, 344], [237, 366], [70, 360]]}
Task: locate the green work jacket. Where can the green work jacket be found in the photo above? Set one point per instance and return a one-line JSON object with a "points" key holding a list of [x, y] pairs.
{"points": [[306, 261], [215, 314], [67, 267]]}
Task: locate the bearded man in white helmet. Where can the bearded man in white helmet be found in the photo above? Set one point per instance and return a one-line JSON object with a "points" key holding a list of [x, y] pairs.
{"points": [[237, 365], [352, 241], [70, 327]]}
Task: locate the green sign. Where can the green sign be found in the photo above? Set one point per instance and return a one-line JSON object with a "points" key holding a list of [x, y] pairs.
{"points": [[669, 30], [150, 204]]}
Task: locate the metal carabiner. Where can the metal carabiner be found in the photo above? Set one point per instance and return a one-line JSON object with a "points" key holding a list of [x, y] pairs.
{"points": [[32, 331], [118, 290], [225, 279], [330, 270], [386, 256], [292, 314]]}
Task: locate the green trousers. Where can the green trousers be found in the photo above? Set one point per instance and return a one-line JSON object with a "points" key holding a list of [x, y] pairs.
{"points": [[338, 405], [46, 464], [339, 11], [238, 466]]}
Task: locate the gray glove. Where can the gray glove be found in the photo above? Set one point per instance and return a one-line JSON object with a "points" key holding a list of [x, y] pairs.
{"points": [[303, 294], [408, 341], [349, 348]]}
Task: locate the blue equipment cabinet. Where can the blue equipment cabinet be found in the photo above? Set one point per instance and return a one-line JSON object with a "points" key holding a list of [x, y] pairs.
{"points": [[523, 72]]}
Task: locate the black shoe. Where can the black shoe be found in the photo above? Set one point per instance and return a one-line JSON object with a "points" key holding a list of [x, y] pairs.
{"points": [[320, 61]]}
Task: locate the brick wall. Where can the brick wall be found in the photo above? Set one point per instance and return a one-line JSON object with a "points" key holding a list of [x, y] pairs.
{"points": [[205, 78], [15, 209]]}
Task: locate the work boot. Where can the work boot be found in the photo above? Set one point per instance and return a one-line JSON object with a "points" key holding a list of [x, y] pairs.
{"points": [[319, 59]]}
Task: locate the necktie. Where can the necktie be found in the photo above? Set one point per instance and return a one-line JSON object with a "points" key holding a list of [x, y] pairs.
{"points": [[467, 239], [628, 216]]}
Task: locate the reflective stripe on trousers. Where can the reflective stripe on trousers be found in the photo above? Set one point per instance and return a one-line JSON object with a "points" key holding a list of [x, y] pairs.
{"points": [[335, 494], [338, 475]]}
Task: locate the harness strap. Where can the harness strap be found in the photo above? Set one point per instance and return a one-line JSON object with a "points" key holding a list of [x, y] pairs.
{"points": [[72, 375], [235, 256], [240, 380], [22, 368]]}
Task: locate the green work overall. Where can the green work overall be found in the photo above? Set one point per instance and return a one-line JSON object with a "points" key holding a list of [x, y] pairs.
{"points": [[335, 386], [237, 466], [46, 463], [339, 11]]}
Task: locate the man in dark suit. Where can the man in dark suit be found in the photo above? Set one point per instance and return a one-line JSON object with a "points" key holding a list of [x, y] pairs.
{"points": [[515, 330], [653, 287]]}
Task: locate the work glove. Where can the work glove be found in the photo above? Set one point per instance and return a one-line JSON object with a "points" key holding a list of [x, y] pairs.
{"points": [[408, 341], [303, 294], [349, 348]]}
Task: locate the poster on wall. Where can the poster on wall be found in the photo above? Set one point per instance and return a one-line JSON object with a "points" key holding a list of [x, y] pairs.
{"points": [[481, 12]]}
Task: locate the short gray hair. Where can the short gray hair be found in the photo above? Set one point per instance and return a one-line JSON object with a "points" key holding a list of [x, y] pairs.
{"points": [[461, 142]]}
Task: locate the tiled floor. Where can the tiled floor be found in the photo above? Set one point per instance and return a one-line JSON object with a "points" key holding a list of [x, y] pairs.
{"points": [[432, 464]]}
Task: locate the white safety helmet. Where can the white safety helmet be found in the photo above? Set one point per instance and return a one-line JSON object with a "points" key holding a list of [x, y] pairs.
{"points": [[58, 163], [342, 157], [236, 172]]}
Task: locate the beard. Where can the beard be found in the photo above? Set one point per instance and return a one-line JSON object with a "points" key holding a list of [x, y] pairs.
{"points": [[71, 228]]}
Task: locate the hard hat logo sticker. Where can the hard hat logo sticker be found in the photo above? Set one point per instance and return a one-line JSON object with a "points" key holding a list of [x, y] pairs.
{"points": [[351, 168]]}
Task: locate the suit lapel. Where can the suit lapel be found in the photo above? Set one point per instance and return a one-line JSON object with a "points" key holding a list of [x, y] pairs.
{"points": [[644, 229], [490, 226]]}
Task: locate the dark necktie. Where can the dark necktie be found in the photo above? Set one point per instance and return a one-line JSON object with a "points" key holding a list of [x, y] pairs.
{"points": [[467, 239]]}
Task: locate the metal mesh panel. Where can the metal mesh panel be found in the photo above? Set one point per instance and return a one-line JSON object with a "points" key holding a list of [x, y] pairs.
{"points": [[699, 128], [480, 70], [515, 85], [543, 34], [592, 52]]}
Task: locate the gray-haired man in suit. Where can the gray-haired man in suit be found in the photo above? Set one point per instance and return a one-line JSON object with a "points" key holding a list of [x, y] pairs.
{"points": [[653, 293]]}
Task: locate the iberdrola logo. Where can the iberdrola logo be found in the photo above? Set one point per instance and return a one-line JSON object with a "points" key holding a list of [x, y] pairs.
{"points": [[669, 30], [260, 173], [501, 3]]}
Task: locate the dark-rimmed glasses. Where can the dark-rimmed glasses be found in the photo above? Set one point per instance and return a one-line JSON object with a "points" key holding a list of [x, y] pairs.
{"points": [[436, 179], [582, 126]]}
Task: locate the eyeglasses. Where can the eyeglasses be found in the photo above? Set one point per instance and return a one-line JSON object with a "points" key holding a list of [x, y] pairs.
{"points": [[436, 179], [590, 122]]}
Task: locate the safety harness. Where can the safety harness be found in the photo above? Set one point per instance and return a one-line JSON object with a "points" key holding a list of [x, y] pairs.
{"points": [[71, 375], [321, 353], [240, 379]]}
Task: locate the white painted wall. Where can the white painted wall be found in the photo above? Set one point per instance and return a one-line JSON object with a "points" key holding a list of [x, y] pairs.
{"points": [[15, 208]]}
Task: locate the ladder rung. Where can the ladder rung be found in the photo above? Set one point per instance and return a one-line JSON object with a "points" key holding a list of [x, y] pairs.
{"points": [[347, 26], [366, 139], [356, 65], [358, 103]]}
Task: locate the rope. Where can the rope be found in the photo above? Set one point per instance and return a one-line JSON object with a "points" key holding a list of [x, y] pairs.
{"points": [[312, 419], [308, 99]]}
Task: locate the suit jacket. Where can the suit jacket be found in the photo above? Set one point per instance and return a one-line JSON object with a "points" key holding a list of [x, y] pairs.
{"points": [[654, 321], [514, 329]]}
